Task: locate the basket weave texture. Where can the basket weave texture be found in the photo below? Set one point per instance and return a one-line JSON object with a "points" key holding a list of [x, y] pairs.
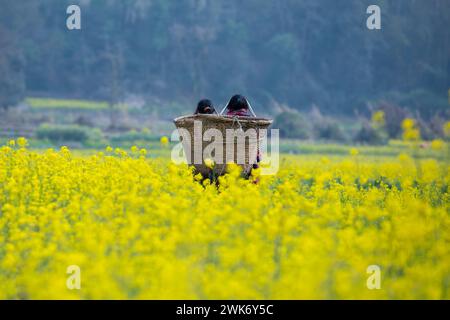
{"points": [[241, 149]]}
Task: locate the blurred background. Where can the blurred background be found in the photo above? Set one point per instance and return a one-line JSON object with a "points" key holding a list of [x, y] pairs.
{"points": [[311, 65]]}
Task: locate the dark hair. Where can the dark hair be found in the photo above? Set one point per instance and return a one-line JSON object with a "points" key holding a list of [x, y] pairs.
{"points": [[237, 102], [205, 106]]}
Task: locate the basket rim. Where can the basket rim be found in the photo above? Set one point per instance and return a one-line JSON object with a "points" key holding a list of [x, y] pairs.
{"points": [[222, 118]]}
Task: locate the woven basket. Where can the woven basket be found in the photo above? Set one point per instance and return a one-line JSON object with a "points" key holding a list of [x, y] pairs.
{"points": [[247, 148]]}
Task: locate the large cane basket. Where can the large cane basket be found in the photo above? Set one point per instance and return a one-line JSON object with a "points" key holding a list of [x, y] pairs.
{"points": [[241, 149]]}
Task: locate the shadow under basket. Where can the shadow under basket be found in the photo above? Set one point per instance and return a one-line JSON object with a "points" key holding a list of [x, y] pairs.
{"points": [[232, 139]]}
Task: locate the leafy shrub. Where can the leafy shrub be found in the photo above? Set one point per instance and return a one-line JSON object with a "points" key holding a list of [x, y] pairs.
{"points": [[369, 135], [330, 130], [291, 125], [72, 133], [133, 135], [393, 117]]}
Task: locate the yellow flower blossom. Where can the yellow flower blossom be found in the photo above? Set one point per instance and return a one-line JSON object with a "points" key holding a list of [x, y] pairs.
{"points": [[354, 152], [164, 140], [145, 228], [209, 163], [378, 118], [22, 142], [408, 123], [410, 130], [446, 129], [437, 144]]}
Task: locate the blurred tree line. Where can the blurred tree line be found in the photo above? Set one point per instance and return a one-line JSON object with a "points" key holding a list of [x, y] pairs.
{"points": [[294, 52]]}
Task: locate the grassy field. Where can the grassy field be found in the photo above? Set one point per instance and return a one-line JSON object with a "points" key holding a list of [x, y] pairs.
{"points": [[52, 103], [393, 149], [287, 147]]}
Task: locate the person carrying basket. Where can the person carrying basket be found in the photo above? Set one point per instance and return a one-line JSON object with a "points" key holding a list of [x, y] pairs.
{"points": [[240, 107]]}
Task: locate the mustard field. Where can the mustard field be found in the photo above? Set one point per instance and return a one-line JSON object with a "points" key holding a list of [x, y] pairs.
{"points": [[139, 227]]}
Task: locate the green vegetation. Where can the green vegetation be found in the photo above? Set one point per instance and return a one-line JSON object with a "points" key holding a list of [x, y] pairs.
{"points": [[68, 133], [292, 125], [393, 149], [304, 53], [134, 136], [50, 103]]}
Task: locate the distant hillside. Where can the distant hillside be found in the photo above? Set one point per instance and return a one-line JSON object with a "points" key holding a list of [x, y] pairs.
{"points": [[296, 53]]}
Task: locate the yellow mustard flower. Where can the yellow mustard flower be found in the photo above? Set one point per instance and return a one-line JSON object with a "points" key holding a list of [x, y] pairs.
{"points": [[164, 140], [209, 163]]}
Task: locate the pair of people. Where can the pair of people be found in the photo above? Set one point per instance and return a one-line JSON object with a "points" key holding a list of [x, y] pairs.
{"points": [[237, 106]]}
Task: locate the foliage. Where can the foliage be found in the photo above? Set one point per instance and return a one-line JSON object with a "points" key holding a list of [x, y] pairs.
{"points": [[66, 133], [330, 130], [370, 135], [292, 125], [50, 103], [292, 52], [393, 117], [410, 130], [12, 60], [134, 136]]}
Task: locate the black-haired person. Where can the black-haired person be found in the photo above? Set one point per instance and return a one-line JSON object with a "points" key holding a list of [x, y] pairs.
{"points": [[239, 106], [205, 106]]}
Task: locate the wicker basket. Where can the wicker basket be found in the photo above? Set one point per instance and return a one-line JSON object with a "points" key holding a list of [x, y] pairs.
{"points": [[247, 150]]}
